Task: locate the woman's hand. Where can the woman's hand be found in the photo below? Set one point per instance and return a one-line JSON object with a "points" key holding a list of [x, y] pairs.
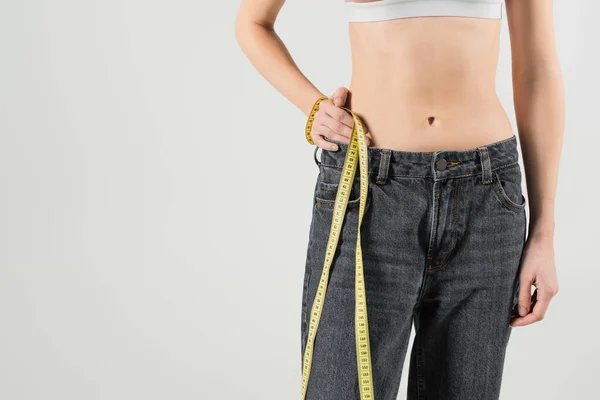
{"points": [[333, 122], [538, 269]]}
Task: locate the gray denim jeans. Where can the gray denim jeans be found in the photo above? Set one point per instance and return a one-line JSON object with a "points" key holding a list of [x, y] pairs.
{"points": [[442, 239]]}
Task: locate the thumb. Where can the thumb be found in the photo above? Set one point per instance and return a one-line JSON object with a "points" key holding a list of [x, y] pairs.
{"points": [[525, 295], [339, 96]]}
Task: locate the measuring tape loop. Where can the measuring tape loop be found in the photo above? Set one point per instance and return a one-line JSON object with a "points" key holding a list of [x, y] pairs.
{"points": [[311, 118], [356, 154]]}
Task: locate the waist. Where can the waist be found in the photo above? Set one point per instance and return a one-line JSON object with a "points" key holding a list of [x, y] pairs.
{"points": [[437, 165], [416, 122], [427, 83]]}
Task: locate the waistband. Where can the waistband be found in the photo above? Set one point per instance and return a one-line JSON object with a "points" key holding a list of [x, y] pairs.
{"points": [[436, 165]]}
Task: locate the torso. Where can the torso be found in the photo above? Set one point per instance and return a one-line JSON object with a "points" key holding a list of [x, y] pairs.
{"points": [[408, 72]]}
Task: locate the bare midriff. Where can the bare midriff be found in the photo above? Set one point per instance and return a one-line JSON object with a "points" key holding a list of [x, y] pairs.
{"points": [[427, 83]]}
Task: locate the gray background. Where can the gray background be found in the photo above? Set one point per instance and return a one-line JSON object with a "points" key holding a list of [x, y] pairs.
{"points": [[155, 200]]}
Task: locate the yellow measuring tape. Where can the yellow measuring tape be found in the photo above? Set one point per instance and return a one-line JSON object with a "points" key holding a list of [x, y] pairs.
{"points": [[356, 154]]}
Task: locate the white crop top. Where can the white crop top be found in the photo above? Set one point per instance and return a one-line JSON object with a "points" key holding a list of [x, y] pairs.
{"points": [[391, 9]]}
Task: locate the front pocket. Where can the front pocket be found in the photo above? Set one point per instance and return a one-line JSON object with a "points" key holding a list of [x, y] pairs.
{"points": [[327, 186], [326, 194], [507, 187]]}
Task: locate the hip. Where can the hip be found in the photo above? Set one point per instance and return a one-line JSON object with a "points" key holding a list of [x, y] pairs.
{"points": [[446, 204]]}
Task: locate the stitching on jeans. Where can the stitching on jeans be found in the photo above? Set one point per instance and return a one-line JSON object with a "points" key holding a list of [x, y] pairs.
{"points": [[504, 166], [503, 197], [412, 176], [487, 167], [457, 176], [305, 304], [432, 248], [331, 203], [454, 237], [384, 164], [426, 176], [454, 240], [379, 180], [461, 176], [332, 165]]}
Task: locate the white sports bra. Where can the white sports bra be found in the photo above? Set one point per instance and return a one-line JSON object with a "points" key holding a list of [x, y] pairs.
{"points": [[391, 9]]}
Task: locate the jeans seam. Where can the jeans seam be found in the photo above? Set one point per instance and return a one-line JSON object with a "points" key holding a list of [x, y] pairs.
{"points": [[305, 303], [308, 272], [434, 226], [454, 237], [419, 367]]}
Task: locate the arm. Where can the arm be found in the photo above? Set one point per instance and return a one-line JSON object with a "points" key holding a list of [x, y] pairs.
{"points": [[254, 31], [539, 108], [539, 104]]}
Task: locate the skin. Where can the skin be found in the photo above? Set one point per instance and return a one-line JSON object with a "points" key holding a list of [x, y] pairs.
{"points": [[425, 84]]}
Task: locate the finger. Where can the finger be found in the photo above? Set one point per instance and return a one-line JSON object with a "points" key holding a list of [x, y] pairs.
{"points": [[318, 139], [537, 314], [525, 294], [337, 127], [337, 113], [326, 126], [331, 135], [369, 138], [345, 139], [339, 96], [533, 300]]}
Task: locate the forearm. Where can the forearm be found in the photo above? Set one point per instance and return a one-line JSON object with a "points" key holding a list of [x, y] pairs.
{"points": [[270, 57], [539, 108]]}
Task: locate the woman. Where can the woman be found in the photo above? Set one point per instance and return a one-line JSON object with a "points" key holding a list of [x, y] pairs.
{"points": [[443, 236]]}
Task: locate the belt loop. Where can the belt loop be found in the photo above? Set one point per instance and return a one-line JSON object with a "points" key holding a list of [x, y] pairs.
{"points": [[384, 166], [486, 166], [315, 156]]}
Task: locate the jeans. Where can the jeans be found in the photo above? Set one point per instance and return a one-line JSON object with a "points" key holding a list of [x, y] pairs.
{"points": [[442, 239]]}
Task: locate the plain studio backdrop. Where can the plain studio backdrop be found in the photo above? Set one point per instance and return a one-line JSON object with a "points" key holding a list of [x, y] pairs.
{"points": [[156, 195]]}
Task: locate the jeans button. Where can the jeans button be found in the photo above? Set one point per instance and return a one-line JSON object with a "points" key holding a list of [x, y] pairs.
{"points": [[441, 164]]}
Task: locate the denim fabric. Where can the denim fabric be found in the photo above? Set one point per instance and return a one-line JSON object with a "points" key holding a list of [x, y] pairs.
{"points": [[442, 239]]}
